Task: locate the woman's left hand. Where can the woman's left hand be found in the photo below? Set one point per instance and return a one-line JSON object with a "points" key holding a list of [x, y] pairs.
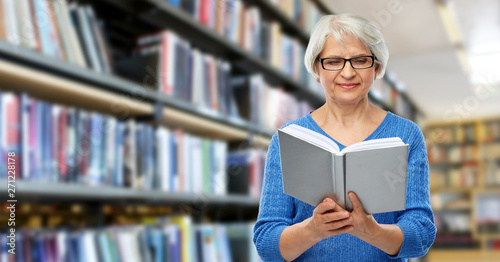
{"points": [[365, 226], [388, 238]]}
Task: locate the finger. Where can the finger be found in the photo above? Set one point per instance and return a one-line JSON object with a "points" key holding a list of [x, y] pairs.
{"points": [[346, 228], [338, 224], [342, 230], [335, 216], [356, 204], [327, 205]]}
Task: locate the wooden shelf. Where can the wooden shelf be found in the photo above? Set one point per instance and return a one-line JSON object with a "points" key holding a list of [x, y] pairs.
{"points": [[458, 255], [488, 190], [488, 236], [463, 206], [450, 144], [442, 165], [452, 189], [69, 192]]}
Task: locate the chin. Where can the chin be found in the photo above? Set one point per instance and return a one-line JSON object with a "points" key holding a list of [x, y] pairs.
{"points": [[348, 97]]}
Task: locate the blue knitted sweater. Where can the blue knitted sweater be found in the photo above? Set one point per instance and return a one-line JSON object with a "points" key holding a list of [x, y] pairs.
{"points": [[278, 210]]}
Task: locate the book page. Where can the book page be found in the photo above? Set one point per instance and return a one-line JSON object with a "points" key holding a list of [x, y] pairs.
{"points": [[378, 177], [375, 143], [312, 137]]}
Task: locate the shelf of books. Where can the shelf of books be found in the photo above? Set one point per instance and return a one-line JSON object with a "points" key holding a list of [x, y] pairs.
{"points": [[110, 104], [138, 129], [465, 193]]}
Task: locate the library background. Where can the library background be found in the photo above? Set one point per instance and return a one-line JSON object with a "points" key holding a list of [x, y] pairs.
{"points": [[136, 130]]}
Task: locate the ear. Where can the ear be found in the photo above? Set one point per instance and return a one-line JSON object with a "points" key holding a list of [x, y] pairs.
{"points": [[377, 68], [317, 67]]}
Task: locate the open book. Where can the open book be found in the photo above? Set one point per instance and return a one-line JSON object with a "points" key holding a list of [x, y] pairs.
{"points": [[314, 168]]}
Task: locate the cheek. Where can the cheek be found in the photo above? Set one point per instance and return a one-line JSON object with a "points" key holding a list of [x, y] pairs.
{"points": [[324, 81], [327, 77]]}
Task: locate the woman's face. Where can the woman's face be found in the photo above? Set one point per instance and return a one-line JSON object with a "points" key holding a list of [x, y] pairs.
{"points": [[349, 85]]}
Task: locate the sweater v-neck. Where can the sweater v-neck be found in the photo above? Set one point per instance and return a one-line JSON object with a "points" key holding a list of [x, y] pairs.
{"points": [[373, 135]]}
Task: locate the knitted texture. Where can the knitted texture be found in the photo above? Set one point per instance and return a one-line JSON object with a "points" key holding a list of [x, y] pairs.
{"points": [[278, 210]]}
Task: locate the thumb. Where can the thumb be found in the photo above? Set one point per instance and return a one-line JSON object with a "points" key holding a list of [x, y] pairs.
{"points": [[327, 200], [356, 204]]}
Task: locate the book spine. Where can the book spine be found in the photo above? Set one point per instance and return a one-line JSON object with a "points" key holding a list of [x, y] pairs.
{"points": [[339, 182], [55, 136], [64, 32], [197, 87], [70, 29], [3, 24], [187, 167], [26, 30], [71, 143], [25, 110], [119, 149], [163, 68], [55, 32], [62, 145], [99, 42], [86, 36], [10, 133], [11, 26]]}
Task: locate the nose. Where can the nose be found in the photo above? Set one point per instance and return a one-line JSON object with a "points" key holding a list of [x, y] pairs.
{"points": [[348, 71]]}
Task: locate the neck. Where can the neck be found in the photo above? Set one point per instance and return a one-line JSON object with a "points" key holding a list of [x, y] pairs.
{"points": [[347, 114]]}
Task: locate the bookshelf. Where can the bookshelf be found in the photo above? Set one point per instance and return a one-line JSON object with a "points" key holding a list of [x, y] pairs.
{"points": [[160, 14], [56, 80], [464, 194], [288, 25], [99, 91]]}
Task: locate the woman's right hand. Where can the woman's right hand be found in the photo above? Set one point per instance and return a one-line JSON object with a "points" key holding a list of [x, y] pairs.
{"points": [[330, 219]]}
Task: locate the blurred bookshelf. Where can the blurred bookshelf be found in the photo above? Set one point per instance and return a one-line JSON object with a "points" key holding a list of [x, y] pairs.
{"points": [[465, 193], [145, 124]]}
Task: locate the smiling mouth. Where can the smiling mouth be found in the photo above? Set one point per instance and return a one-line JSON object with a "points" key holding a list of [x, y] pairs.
{"points": [[348, 86]]}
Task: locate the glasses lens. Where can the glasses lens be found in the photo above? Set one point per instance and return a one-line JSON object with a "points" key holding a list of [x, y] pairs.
{"points": [[361, 62], [333, 63]]}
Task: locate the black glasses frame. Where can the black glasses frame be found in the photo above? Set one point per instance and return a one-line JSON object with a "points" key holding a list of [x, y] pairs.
{"points": [[345, 61]]}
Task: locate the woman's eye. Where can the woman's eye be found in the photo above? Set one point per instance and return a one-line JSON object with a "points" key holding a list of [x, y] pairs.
{"points": [[360, 61], [333, 62]]}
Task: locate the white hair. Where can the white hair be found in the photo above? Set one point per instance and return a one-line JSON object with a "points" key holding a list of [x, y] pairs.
{"points": [[338, 26]]}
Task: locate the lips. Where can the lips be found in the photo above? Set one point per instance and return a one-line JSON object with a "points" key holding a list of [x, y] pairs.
{"points": [[348, 85]]}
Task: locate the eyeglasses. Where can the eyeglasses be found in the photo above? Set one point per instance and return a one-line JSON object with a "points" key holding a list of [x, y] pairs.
{"points": [[337, 63]]}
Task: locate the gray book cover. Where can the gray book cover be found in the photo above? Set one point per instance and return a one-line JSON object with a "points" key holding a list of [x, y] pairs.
{"points": [[311, 173]]}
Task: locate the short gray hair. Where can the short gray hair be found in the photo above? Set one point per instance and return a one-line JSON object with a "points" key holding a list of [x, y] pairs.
{"points": [[338, 26]]}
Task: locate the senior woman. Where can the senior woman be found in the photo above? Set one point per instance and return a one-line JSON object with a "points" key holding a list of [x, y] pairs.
{"points": [[346, 53]]}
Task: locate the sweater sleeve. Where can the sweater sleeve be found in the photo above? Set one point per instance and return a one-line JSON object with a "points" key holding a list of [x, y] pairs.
{"points": [[275, 210], [417, 221]]}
